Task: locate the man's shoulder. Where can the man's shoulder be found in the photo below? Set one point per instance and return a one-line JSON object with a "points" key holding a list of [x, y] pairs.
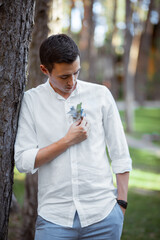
{"points": [[91, 85], [94, 88], [37, 91]]}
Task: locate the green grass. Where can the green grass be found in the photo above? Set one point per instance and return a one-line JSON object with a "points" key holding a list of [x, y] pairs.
{"points": [[142, 219], [145, 180], [147, 121], [144, 160], [19, 186]]}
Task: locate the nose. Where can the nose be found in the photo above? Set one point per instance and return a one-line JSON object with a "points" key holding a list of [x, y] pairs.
{"points": [[71, 80]]}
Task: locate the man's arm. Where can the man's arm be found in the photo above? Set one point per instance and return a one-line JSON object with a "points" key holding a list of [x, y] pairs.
{"points": [[117, 146], [77, 133], [115, 138], [122, 187]]}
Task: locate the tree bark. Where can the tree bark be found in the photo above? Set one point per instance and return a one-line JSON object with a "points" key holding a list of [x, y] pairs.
{"points": [[15, 35]]}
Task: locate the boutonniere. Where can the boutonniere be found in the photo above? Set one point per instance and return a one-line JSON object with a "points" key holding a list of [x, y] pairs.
{"points": [[77, 113]]}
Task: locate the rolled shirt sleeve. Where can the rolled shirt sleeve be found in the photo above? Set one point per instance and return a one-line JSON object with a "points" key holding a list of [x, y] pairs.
{"points": [[26, 145], [115, 138]]}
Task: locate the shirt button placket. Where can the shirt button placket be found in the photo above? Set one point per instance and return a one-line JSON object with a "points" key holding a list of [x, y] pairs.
{"points": [[74, 175], [73, 158]]}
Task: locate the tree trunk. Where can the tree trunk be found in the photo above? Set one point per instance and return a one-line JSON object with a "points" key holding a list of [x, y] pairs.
{"points": [[114, 84], [130, 80], [14, 208], [86, 42], [129, 114], [143, 58], [29, 211], [155, 58], [15, 30], [130, 72], [72, 6], [48, 20]]}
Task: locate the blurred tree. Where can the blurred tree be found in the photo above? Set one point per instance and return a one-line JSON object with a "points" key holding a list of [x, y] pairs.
{"points": [[86, 42], [48, 20], [135, 27], [128, 86], [15, 30], [29, 211], [72, 5], [143, 58], [153, 66], [114, 84]]}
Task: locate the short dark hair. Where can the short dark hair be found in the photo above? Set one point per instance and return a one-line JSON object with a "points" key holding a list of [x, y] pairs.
{"points": [[58, 48]]}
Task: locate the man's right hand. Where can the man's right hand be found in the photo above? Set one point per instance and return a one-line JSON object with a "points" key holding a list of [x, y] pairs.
{"points": [[77, 132]]}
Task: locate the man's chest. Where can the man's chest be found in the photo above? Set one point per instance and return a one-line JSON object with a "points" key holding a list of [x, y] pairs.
{"points": [[52, 118]]}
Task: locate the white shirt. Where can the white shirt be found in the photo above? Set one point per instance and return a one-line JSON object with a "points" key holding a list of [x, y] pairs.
{"points": [[80, 178]]}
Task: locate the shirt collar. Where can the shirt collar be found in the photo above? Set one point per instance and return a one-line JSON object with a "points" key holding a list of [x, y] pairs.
{"points": [[58, 96]]}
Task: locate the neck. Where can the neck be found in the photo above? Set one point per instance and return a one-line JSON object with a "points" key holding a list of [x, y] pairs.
{"points": [[64, 95]]}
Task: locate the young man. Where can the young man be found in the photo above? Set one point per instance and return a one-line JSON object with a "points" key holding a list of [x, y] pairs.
{"points": [[76, 195]]}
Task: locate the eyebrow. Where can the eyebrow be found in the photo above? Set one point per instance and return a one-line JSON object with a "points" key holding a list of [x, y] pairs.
{"points": [[65, 75]]}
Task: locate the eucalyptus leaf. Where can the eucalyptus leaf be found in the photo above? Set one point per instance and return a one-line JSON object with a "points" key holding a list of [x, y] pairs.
{"points": [[79, 107]]}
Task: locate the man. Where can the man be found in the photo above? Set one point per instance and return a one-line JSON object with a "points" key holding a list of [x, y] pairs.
{"points": [[76, 195]]}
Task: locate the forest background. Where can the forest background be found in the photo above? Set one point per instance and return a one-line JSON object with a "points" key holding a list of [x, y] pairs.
{"points": [[119, 41]]}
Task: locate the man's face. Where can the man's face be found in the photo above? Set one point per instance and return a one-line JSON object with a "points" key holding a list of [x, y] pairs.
{"points": [[63, 77]]}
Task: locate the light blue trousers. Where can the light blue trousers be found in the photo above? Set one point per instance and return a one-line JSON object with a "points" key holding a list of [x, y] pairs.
{"points": [[109, 228]]}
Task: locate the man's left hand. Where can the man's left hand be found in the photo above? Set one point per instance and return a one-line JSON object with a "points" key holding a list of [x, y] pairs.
{"points": [[123, 210]]}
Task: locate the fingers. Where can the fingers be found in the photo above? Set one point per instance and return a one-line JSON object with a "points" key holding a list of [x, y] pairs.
{"points": [[78, 131], [85, 124], [77, 123]]}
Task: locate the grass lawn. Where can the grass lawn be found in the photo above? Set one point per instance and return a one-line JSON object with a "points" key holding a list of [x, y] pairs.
{"points": [[147, 121], [142, 219]]}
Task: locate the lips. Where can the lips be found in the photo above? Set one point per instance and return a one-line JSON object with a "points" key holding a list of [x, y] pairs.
{"points": [[69, 88]]}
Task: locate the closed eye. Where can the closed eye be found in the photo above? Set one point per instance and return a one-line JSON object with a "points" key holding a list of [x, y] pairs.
{"points": [[77, 72], [66, 76]]}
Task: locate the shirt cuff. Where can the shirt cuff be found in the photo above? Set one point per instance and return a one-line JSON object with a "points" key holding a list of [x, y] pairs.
{"points": [[121, 165], [27, 161]]}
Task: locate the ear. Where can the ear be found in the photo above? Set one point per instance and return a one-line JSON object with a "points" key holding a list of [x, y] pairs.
{"points": [[44, 70]]}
